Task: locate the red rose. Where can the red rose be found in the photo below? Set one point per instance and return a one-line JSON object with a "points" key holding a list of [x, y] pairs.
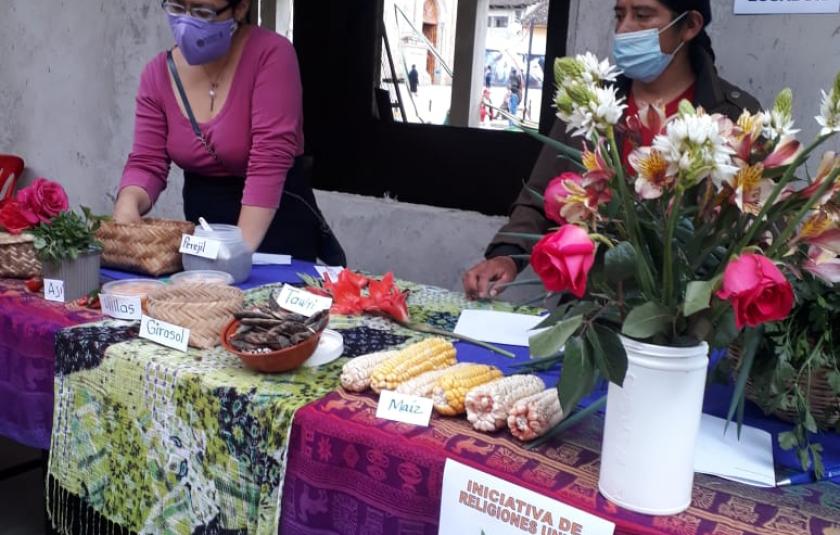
{"points": [[757, 290], [563, 260], [16, 218], [44, 198]]}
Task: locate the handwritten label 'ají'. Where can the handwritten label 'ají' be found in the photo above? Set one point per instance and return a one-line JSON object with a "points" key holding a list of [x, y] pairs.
{"points": [[54, 290]]}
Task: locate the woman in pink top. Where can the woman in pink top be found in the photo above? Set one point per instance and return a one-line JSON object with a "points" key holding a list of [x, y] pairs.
{"points": [[241, 167]]}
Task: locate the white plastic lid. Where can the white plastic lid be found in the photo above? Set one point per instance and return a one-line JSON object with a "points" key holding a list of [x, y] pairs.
{"points": [[206, 276], [330, 348]]}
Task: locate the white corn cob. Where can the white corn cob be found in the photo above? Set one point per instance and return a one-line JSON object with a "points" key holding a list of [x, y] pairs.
{"points": [[488, 405], [533, 416], [355, 375], [423, 384]]}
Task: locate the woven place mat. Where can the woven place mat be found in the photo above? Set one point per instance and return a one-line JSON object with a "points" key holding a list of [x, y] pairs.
{"points": [[203, 308], [17, 256]]}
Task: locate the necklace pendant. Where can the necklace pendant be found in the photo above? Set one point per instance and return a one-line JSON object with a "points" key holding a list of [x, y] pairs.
{"points": [[212, 99]]}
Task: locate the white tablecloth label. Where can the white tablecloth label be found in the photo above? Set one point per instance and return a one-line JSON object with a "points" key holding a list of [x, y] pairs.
{"points": [[54, 290], [121, 307], [404, 408], [474, 501], [164, 333], [302, 302], [202, 247]]}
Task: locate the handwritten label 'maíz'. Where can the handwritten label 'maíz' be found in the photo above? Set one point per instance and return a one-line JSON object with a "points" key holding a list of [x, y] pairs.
{"points": [[403, 408], [302, 302], [202, 247], [164, 333]]}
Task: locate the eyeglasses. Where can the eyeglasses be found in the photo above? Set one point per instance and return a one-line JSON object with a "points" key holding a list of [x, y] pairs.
{"points": [[202, 13]]}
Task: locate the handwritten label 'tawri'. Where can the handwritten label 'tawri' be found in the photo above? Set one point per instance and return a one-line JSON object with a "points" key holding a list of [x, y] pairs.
{"points": [[404, 408], [202, 247], [302, 302]]}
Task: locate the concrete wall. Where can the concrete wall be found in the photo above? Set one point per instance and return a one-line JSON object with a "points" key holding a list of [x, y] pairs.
{"points": [[67, 86], [760, 53]]}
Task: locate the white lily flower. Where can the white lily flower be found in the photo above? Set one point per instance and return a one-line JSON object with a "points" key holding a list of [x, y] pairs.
{"points": [[595, 71], [778, 125], [829, 117], [695, 149]]}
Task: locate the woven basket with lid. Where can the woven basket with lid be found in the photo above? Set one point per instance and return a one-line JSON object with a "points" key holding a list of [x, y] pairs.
{"points": [[150, 247], [202, 308], [17, 256]]}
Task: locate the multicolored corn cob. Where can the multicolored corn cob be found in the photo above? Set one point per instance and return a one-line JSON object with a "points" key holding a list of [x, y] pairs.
{"points": [[533, 416], [488, 405], [355, 375], [450, 390]]}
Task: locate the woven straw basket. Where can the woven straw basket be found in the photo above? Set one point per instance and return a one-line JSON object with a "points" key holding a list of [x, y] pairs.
{"points": [[825, 405], [202, 308], [150, 247], [17, 256]]}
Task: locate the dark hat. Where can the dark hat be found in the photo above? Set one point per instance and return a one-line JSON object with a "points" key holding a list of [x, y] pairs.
{"points": [[704, 7]]}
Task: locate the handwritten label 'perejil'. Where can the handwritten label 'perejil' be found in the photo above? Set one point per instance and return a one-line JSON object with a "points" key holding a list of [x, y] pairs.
{"points": [[203, 247]]}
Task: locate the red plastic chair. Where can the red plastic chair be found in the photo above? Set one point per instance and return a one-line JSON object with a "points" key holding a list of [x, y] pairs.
{"points": [[11, 167]]}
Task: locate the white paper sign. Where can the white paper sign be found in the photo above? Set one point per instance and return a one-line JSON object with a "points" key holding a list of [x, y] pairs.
{"points": [[769, 7], [473, 502], [164, 333], [202, 247], [266, 259], [302, 302], [54, 290], [748, 459], [332, 271], [121, 307], [497, 327], [404, 408]]}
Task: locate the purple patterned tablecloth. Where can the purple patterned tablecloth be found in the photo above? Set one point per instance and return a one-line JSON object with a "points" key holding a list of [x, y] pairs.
{"points": [[28, 325]]}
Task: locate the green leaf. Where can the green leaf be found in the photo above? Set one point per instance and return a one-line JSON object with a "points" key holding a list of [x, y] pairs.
{"points": [[646, 320], [551, 341], [834, 381], [574, 154], [819, 467], [609, 353], [620, 262], [787, 440], [556, 315], [751, 340], [698, 295], [804, 458], [725, 331], [577, 376], [809, 423], [535, 194]]}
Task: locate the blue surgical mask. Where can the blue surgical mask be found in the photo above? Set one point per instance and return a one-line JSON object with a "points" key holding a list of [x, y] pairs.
{"points": [[639, 55]]}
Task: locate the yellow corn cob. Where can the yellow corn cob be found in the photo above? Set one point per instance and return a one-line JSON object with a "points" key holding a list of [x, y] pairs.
{"points": [[488, 405], [430, 354], [423, 384], [355, 375], [451, 389], [533, 416]]}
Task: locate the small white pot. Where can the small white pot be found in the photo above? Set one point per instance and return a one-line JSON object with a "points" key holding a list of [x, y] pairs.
{"points": [[647, 457]]}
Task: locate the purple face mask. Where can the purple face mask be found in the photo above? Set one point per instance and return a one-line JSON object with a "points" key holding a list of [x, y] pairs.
{"points": [[201, 41]]}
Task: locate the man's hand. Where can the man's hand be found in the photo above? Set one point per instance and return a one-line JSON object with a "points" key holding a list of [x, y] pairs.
{"points": [[483, 279]]}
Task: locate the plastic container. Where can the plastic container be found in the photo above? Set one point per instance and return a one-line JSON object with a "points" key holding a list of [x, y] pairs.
{"points": [[234, 254], [647, 456], [132, 287], [204, 276]]}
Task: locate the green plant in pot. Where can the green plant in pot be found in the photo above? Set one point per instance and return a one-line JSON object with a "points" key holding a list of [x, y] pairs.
{"points": [[68, 248]]}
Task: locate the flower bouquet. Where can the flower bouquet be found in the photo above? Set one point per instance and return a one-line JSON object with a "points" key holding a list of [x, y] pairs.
{"points": [[690, 241], [33, 205]]}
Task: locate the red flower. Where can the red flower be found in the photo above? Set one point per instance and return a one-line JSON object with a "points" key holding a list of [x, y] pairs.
{"points": [[44, 198], [386, 298], [16, 218], [757, 290], [563, 259]]}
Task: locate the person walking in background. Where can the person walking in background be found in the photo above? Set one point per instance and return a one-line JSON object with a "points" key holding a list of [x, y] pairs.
{"points": [[488, 76], [413, 79], [515, 88]]}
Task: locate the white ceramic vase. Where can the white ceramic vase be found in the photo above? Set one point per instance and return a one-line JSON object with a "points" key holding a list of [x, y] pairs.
{"points": [[647, 457]]}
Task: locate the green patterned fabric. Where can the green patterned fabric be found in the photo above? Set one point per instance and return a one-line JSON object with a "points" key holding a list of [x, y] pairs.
{"points": [[159, 441]]}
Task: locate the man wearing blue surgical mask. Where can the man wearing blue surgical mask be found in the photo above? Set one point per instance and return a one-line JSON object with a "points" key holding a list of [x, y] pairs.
{"points": [[666, 56]]}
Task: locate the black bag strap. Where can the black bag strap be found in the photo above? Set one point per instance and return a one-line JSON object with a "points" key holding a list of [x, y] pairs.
{"points": [[180, 85]]}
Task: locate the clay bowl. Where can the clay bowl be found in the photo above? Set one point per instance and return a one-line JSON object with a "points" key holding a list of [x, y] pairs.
{"points": [[279, 361]]}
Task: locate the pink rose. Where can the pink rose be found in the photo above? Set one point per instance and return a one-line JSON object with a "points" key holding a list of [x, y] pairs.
{"points": [[44, 198], [16, 218], [563, 260], [757, 290]]}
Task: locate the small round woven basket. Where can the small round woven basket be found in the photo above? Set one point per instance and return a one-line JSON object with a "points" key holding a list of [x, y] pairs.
{"points": [[825, 405], [151, 247], [202, 308], [17, 256]]}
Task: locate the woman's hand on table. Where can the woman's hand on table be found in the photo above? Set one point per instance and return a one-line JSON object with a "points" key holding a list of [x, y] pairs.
{"points": [[483, 279]]}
